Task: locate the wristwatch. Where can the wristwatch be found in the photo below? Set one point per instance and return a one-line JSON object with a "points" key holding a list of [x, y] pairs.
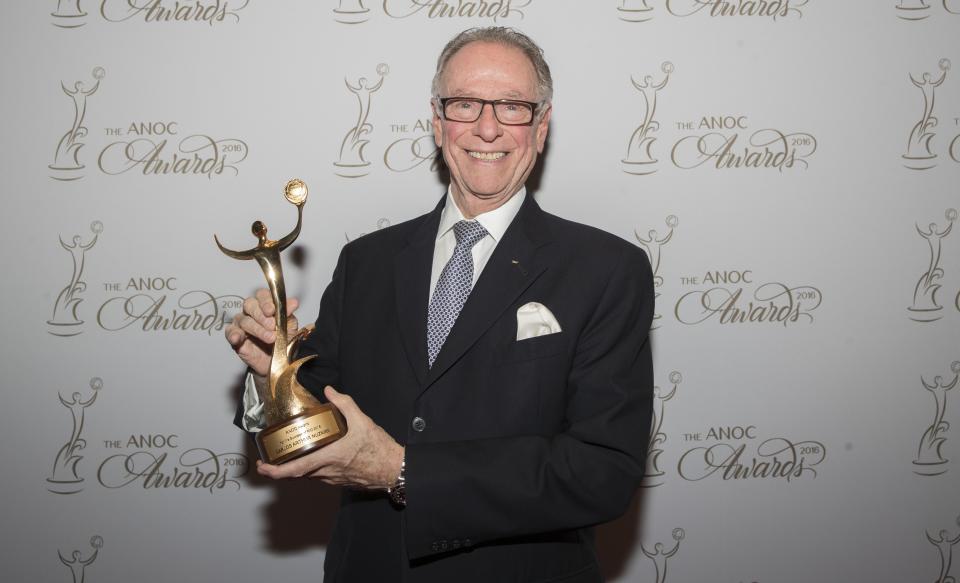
{"points": [[398, 492]]}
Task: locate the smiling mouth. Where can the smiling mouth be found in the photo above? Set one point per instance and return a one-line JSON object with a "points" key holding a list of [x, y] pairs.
{"points": [[489, 156]]}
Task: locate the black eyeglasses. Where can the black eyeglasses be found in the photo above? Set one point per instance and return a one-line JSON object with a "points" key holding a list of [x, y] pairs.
{"points": [[511, 112]]}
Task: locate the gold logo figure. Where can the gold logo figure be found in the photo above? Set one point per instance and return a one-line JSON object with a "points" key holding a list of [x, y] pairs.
{"points": [[68, 14], [351, 12], [297, 423], [352, 163], [918, 155], [654, 248], [640, 160], [658, 437], [66, 163], [945, 546], [930, 461], [659, 556], [65, 321], [925, 307], [634, 11], [64, 479], [77, 565]]}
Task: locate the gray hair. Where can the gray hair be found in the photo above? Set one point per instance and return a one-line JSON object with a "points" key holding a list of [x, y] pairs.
{"points": [[504, 36]]}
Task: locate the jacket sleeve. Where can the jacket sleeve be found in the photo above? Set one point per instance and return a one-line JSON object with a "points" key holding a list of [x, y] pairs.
{"points": [[471, 492], [324, 341]]}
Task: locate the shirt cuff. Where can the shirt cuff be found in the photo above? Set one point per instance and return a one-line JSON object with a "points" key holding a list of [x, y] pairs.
{"points": [[252, 406]]}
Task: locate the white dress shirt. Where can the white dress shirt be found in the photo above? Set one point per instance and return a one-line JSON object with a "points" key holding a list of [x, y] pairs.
{"points": [[495, 222]]}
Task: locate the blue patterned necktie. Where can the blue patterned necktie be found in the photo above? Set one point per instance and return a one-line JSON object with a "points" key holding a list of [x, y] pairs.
{"points": [[453, 287]]}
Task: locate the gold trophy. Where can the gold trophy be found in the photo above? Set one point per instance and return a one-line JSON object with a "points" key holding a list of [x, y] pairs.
{"points": [[297, 423]]}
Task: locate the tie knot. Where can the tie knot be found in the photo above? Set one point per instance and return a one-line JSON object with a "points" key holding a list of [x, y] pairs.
{"points": [[469, 233]]}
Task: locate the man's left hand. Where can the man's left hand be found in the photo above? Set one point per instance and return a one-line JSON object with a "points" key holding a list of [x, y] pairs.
{"points": [[366, 457]]}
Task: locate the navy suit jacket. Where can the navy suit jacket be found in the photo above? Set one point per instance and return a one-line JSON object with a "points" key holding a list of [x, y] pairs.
{"points": [[524, 445]]}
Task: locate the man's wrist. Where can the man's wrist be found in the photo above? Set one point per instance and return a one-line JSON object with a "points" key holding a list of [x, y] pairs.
{"points": [[398, 490]]}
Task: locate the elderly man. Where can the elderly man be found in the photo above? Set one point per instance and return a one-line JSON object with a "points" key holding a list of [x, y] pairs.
{"points": [[491, 360]]}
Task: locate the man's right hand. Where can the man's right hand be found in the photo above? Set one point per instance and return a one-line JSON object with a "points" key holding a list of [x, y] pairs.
{"points": [[252, 332]]}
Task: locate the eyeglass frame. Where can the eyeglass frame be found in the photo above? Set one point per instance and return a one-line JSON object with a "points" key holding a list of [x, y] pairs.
{"points": [[534, 108]]}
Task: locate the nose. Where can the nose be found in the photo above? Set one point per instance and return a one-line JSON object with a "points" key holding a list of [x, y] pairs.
{"points": [[487, 127]]}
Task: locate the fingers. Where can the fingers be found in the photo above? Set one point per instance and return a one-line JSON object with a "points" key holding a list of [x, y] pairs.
{"points": [[306, 465], [264, 303], [251, 326], [235, 335], [344, 402]]}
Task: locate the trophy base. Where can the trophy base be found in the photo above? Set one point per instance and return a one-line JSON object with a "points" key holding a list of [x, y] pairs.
{"points": [[351, 16], [300, 435], [65, 486], [638, 168], [635, 14], [930, 468], [912, 12], [919, 162], [925, 314]]}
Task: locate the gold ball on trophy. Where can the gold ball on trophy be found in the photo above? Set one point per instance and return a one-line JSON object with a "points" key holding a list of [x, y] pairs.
{"points": [[296, 191]]}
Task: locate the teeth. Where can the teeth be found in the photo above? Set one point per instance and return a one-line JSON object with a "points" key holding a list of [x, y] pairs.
{"points": [[487, 155]]}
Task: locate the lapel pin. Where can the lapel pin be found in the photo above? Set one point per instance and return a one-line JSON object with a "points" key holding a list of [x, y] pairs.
{"points": [[520, 267]]}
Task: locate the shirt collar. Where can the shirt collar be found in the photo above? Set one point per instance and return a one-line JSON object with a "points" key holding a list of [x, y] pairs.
{"points": [[495, 221]]}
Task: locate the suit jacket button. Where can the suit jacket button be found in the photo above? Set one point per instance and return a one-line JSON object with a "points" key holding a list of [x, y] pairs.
{"points": [[443, 545], [435, 547], [419, 424], [456, 544], [467, 542]]}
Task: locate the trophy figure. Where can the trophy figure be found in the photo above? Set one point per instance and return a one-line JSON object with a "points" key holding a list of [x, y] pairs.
{"points": [[296, 422]]}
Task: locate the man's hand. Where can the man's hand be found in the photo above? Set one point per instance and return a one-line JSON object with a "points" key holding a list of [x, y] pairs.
{"points": [[366, 457], [252, 332]]}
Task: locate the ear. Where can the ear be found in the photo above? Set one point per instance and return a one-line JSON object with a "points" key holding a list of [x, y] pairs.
{"points": [[542, 127], [437, 124]]}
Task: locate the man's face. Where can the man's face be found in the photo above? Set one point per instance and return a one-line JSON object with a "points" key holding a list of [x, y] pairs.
{"points": [[489, 161]]}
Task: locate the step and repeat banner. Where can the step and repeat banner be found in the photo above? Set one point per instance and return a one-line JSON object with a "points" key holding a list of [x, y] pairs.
{"points": [[791, 168]]}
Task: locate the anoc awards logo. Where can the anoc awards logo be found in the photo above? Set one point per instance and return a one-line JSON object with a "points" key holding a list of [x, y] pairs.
{"points": [[661, 554], [411, 145], [352, 162], [150, 461], [148, 303], [920, 154], [65, 477], [738, 297], [743, 452], [359, 11], [944, 542], [639, 159], [66, 320], [925, 306], [66, 161], [653, 243], [77, 563], [930, 460], [719, 142], [920, 9], [145, 147], [771, 10], [70, 14], [654, 474]]}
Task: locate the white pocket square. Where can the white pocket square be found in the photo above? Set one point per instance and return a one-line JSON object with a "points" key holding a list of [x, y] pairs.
{"points": [[534, 319]]}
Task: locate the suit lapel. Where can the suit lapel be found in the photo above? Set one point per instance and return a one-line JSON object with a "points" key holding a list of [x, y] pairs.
{"points": [[412, 268], [511, 269]]}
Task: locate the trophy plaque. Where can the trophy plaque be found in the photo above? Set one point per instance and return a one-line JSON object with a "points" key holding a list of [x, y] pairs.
{"points": [[296, 422]]}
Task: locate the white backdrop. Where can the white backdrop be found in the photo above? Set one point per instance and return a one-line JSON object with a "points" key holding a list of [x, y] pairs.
{"points": [[790, 166]]}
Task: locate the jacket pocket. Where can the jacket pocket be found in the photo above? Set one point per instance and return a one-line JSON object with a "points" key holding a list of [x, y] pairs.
{"points": [[534, 348]]}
